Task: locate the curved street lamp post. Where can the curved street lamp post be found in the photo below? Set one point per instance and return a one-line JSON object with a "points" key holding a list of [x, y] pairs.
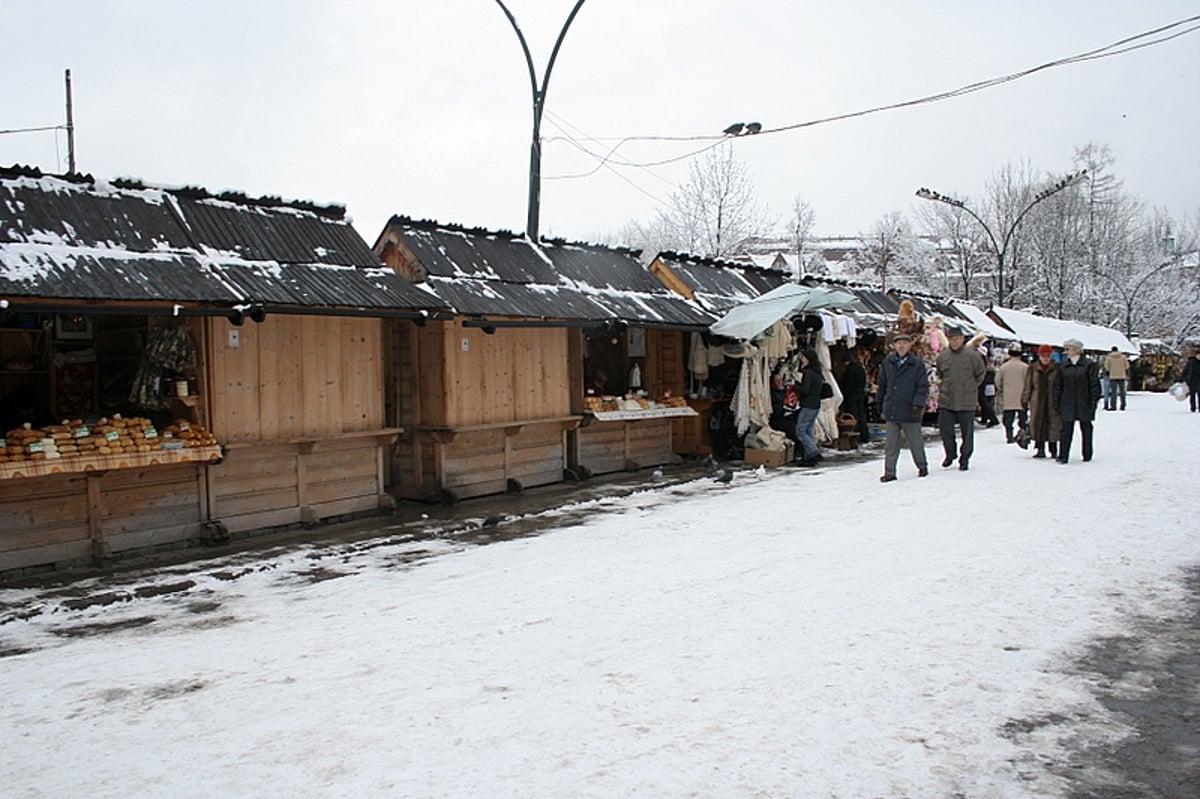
{"points": [[539, 101], [1001, 250]]}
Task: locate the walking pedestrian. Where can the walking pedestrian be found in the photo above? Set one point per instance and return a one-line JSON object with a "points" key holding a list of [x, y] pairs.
{"points": [[1010, 385], [961, 371], [1117, 367], [903, 392], [1191, 376], [1038, 399], [1076, 395], [809, 389]]}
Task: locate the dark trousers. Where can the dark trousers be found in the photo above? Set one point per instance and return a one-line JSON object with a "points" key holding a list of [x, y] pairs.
{"points": [[1021, 415], [987, 413], [965, 420], [1068, 431]]}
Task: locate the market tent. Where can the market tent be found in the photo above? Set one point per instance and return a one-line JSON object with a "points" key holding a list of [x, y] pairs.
{"points": [[751, 318], [1032, 329]]}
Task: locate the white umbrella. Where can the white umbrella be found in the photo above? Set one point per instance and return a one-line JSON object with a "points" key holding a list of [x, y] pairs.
{"points": [[753, 317]]}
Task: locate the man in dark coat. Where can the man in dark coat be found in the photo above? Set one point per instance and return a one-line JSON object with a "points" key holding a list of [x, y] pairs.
{"points": [[1191, 376], [903, 391], [1075, 397]]}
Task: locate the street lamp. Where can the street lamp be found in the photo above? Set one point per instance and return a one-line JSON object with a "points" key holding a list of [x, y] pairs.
{"points": [[1001, 250], [539, 100], [1130, 295]]}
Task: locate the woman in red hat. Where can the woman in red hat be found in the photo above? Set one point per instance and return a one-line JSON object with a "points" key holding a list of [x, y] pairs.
{"points": [[1038, 398]]}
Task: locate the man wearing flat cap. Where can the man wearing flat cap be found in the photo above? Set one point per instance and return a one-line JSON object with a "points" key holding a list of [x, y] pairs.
{"points": [[1076, 395], [961, 370], [903, 392]]}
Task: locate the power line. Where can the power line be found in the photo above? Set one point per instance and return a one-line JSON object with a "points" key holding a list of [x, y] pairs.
{"points": [[553, 120], [34, 130], [1120, 47]]}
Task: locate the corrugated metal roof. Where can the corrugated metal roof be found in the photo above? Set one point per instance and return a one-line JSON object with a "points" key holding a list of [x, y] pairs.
{"points": [[486, 273], [721, 285], [74, 238]]}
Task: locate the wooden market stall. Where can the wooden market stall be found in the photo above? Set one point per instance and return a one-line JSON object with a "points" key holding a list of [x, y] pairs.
{"points": [[717, 285], [236, 344], [496, 399]]}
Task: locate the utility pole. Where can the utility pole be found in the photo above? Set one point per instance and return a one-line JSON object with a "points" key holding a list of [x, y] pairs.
{"points": [[70, 128]]}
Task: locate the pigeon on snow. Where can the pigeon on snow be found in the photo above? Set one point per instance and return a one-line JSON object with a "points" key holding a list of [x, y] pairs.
{"points": [[726, 476], [760, 472]]}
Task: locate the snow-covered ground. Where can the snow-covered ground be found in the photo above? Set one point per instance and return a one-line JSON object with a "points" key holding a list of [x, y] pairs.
{"points": [[810, 634]]}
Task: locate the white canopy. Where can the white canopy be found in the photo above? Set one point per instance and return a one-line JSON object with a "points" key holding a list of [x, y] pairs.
{"points": [[751, 318]]}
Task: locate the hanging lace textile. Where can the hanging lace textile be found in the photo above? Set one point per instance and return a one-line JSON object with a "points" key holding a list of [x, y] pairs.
{"points": [[751, 402]]}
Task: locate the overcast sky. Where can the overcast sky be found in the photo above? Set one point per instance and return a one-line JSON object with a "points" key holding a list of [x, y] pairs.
{"points": [[424, 108]]}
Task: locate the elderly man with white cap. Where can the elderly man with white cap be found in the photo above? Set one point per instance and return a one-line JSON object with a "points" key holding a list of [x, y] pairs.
{"points": [[1075, 397]]}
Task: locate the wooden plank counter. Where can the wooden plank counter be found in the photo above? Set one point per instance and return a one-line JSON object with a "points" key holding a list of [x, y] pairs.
{"points": [[615, 441]]}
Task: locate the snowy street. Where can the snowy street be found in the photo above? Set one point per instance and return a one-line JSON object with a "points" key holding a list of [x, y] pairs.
{"points": [[813, 633]]}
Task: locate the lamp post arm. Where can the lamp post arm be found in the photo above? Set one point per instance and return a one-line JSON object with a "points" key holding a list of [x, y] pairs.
{"points": [[1130, 295], [533, 87], [562, 34], [539, 101], [995, 248]]}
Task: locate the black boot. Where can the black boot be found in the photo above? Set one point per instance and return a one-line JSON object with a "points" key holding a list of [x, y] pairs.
{"points": [[1053, 449]]}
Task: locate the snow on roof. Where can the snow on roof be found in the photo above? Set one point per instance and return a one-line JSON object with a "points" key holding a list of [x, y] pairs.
{"points": [[1033, 329], [983, 322]]}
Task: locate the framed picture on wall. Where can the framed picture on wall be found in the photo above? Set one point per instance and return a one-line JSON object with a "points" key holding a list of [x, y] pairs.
{"points": [[73, 327], [636, 342]]}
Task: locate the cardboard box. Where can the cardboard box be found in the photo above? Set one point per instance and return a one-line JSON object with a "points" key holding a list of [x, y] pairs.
{"points": [[768, 457]]}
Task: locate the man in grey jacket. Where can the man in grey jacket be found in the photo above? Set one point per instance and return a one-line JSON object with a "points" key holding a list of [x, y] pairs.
{"points": [[961, 370]]}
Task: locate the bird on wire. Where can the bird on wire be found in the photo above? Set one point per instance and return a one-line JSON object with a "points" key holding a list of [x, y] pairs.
{"points": [[734, 129], [753, 127]]}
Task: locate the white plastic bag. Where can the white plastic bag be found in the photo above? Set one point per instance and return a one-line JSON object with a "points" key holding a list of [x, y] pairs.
{"points": [[1179, 391]]}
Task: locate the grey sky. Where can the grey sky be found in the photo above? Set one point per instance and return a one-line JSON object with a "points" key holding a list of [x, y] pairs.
{"points": [[423, 108]]}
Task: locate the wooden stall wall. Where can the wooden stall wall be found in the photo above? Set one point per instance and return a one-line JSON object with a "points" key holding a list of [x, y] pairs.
{"points": [[77, 519], [482, 413], [298, 402]]}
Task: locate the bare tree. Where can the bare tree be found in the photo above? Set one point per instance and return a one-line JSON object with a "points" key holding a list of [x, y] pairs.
{"points": [[891, 251], [714, 214], [800, 232], [960, 252]]}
